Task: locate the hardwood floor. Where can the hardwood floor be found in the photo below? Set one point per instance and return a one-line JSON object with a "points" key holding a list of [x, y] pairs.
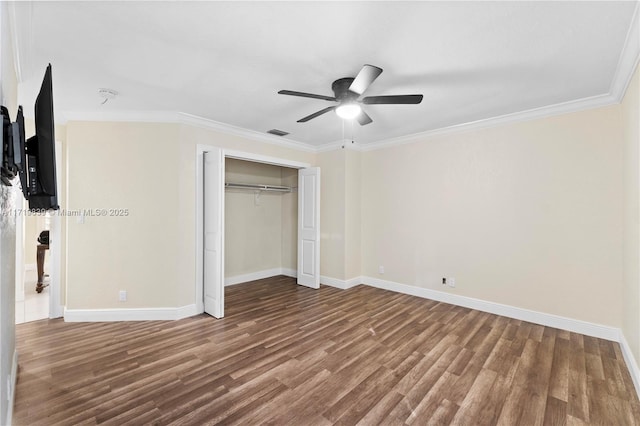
{"points": [[286, 354]]}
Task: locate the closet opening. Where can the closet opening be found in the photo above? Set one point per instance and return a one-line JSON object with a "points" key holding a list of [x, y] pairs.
{"points": [[266, 237], [260, 221]]}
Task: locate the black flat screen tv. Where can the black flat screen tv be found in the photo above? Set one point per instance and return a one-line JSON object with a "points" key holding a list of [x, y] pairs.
{"points": [[33, 160], [40, 175]]}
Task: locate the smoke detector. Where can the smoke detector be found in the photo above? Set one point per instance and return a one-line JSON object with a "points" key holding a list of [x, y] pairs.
{"points": [[107, 94]]}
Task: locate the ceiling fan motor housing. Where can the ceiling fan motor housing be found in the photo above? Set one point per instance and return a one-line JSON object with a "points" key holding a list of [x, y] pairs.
{"points": [[341, 90]]}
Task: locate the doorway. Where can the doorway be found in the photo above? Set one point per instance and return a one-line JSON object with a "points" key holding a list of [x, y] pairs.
{"points": [[260, 221], [210, 221], [32, 305]]}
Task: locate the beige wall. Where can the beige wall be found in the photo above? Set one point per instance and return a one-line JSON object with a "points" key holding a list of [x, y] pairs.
{"points": [[340, 255], [525, 214], [150, 169], [353, 214], [332, 208], [124, 166], [630, 113], [259, 233]]}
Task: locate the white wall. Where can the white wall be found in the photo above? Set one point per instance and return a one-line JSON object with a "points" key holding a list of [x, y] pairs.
{"points": [[630, 113], [8, 197], [526, 214]]}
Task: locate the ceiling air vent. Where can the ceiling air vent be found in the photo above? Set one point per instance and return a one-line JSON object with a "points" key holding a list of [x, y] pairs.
{"points": [[278, 132]]}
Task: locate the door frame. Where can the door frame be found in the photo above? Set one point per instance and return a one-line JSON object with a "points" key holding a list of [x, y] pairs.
{"points": [[226, 153], [55, 247]]}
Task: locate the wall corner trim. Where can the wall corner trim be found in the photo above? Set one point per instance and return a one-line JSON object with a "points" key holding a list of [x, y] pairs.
{"points": [[341, 284], [133, 314], [259, 275]]}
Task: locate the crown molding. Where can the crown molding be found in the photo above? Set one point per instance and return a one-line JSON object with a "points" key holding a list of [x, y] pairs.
{"points": [[193, 120], [182, 118], [627, 64], [532, 114], [629, 58]]}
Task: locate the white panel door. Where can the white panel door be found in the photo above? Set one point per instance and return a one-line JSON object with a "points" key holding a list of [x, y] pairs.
{"points": [[213, 238], [309, 227]]}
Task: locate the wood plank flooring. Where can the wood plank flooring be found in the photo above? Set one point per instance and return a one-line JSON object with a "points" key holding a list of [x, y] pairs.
{"points": [[286, 354]]}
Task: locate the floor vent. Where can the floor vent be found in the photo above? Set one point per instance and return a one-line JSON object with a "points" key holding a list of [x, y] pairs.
{"points": [[278, 132]]}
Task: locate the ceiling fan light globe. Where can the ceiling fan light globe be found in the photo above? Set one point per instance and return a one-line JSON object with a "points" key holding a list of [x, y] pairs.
{"points": [[348, 111]]}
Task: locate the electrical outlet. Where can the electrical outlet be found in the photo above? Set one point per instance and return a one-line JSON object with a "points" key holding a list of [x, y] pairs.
{"points": [[451, 282], [122, 295], [444, 281], [381, 269]]}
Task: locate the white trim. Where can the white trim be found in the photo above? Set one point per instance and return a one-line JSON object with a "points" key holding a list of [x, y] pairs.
{"points": [[549, 320], [252, 276], [341, 284], [289, 272], [229, 129], [259, 275], [630, 360], [134, 314], [199, 228], [14, 380], [56, 255], [258, 158], [30, 267], [516, 117], [174, 117], [628, 60]]}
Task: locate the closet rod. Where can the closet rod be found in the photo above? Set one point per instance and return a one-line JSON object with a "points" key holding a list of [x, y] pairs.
{"points": [[258, 187]]}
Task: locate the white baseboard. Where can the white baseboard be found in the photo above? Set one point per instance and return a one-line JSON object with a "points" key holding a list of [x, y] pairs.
{"points": [[139, 314], [289, 272], [549, 320], [630, 360], [30, 267], [14, 380], [341, 284], [267, 273]]}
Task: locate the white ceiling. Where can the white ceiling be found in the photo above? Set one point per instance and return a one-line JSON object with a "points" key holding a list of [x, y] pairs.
{"points": [[225, 61]]}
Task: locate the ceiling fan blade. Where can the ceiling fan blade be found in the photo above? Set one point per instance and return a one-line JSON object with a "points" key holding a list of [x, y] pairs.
{"points": [[306, 95], [316, 114], [365, 77], [393, 99], [363, 118]]}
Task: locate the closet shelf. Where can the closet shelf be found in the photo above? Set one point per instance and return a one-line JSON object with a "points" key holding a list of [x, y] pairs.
{"points": [[257, 187]]}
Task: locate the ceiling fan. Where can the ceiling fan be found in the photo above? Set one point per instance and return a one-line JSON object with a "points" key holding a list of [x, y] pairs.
{"points": [[347, 91]]}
